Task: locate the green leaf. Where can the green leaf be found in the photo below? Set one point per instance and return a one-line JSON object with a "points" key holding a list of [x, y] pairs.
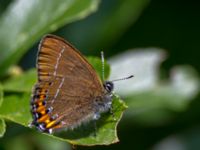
{"points": [[17, 109], [30, 140], [2, 127], [25, 81], [32, 19], [1, 95]]}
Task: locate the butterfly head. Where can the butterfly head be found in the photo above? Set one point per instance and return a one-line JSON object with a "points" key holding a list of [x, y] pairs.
{"points": [[109, 86]]}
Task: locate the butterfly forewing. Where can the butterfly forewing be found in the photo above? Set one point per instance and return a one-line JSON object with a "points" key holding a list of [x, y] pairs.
{"points": [[67, 83]]}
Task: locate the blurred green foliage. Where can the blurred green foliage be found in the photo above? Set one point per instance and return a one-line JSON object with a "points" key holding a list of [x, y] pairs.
{"points": [[163, 97]]}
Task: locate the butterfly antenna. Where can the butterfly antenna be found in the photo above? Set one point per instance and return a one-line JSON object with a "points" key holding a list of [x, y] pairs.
{"points": [[102, 61], [123, 78]]}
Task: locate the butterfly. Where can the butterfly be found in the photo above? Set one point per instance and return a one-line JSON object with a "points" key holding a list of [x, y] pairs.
{"points": [[68, 92]]}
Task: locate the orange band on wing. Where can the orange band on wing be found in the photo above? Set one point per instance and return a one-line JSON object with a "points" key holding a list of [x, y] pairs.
{"points": [[50, 124], [43, 118]]}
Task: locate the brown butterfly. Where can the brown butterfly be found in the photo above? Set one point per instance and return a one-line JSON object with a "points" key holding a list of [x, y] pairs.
{"points": [[69, 91]]}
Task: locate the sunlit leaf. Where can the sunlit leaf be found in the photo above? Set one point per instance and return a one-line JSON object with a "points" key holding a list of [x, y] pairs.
{"points": [[25, 21], [21, 83]]}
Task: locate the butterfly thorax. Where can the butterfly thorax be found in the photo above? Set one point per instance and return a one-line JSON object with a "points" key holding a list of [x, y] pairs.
{"points": [[103, 103]]}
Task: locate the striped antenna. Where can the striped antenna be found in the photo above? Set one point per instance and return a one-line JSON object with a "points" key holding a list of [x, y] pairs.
{"points": [[102, 61], [123, 78]]}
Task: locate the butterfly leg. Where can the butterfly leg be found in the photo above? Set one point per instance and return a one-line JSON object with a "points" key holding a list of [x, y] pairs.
{"points": [[95, 118], [111, 108], [112, 113], [95, 128]]}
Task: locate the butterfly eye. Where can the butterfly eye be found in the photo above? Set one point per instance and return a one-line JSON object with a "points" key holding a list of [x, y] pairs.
{"points": [[108, 86]]}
